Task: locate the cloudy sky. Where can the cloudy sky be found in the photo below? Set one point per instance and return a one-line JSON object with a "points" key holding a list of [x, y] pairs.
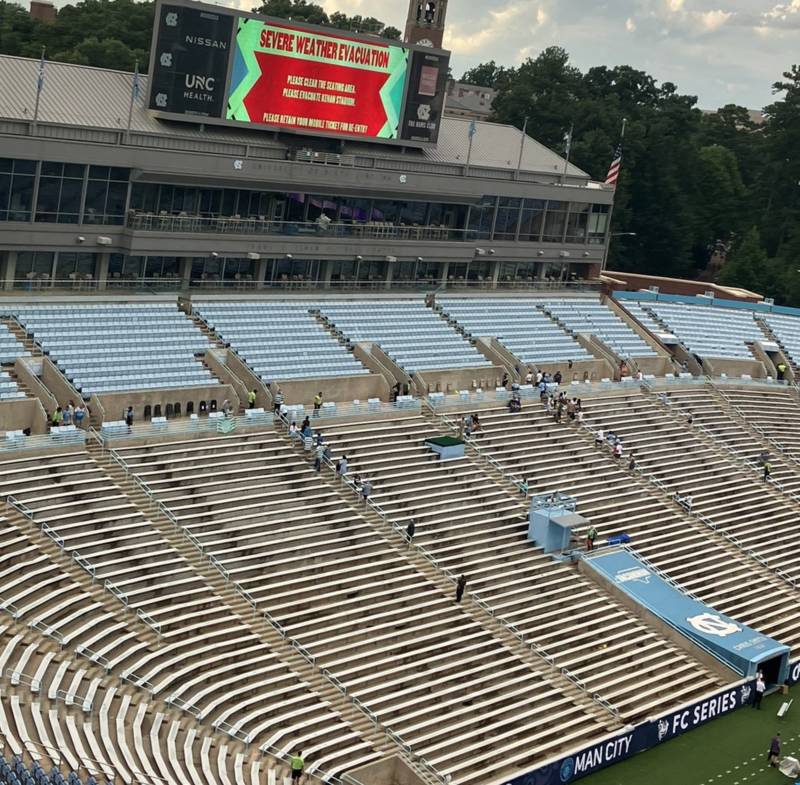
{"points": [[723, 51]]}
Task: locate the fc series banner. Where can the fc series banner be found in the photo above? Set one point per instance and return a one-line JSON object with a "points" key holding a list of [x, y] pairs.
{"points": [[236, 68]]}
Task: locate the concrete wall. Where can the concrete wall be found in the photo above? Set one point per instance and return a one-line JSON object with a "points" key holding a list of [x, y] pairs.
{"points": [[377, 363], [633, 282], [449, 381], [498, 355], [57, 383], [245, 374], [217, 361], [112, 406], [716, 366], [23, 413], [387, 771], [28, 370], [335, 388]]}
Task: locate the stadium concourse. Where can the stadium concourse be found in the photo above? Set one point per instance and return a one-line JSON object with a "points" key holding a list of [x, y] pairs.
{"points": [[233, 531]]}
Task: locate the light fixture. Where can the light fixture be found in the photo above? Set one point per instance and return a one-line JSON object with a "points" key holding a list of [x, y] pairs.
{"points": [[80, 239], [391, 258], [214, 254], [359, 258], [420, 259], [289, 256], [480, 252], [540, 253], [564, 254], [253, 256], [103, 240]]}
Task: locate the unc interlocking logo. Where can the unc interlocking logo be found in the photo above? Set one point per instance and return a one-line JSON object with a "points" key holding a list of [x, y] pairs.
{"points": [[403, 178], [161, 99], [424, 112], [171, 20], [663, 729], [711, 624], [166, 60], [238, 163], [567, 770], [746, 691]]}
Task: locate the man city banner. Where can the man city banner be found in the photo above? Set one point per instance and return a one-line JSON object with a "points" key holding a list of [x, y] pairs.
{"points": [[648, 734], [740, 647], [329, 83]]}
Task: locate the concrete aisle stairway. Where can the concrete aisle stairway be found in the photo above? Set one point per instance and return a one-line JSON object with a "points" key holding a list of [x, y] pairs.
{"points": [[442, 683], [473, 524]]}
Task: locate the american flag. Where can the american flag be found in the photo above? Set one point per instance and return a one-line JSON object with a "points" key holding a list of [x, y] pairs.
{"points": [[616, 165]]}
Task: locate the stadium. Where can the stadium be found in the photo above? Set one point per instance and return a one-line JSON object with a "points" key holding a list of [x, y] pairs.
{"points": [[332, 453]]}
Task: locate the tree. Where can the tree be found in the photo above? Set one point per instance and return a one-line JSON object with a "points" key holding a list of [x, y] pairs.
{"points": [[483, 74], [304, 11], [748, 265]]}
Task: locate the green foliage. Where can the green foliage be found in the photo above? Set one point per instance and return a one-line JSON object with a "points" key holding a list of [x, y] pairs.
{"points": [[301, 10], [691, 182]]}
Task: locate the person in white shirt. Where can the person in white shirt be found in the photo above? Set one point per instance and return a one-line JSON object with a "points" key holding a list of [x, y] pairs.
{"points": [[759, 691]]}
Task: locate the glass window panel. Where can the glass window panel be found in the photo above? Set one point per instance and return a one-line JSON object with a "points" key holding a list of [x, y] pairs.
{"points": [[115, 204], [70, 201], [19, 208], [74, 170], [119, 173], [6, 165], [555, 222], [52, 168], [5, 195], [24, 167], [47, 204], [98, 172], [598, 223], [31, 264], [95, 205], [577, 222]]}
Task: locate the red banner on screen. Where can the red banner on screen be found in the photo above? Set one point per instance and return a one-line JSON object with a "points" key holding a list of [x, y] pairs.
{"points": [[296, 93]]}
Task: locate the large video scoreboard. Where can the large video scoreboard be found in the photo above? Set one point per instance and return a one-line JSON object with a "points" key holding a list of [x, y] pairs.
{"points": [[213, 65]]}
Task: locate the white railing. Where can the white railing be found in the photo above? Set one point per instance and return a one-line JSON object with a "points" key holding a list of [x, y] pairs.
{"points": [[44, 441], [81, 562], [449, 575], [183, 426]]}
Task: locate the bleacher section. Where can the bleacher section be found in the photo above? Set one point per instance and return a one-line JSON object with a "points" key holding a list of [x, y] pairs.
{"points": [[10, 347], [787, 330], [428, 670], [617, 501], [9, 391], [707, 331], [596, 318], [520, 325], [644, 316], [207, 658], [118, 347], [279, 341], [472, 525], [413, 336]]}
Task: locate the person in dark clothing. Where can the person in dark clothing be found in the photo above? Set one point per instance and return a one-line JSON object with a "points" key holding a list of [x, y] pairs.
{"points": [[767, 470], [460, 586], [129, 418], [557, 378], [504, 382], [774, 750], [410, 530]]}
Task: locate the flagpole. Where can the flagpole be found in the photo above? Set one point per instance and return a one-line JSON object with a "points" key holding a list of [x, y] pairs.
{"points": [[607, 248], [471, 134], [134, 96], [568, 152], [521, 148], [39, 85]]}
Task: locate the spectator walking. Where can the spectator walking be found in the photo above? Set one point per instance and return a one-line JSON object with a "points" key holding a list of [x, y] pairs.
{"points": [[632, 463], [599, 437], [58, 417], [277, 400], [758, 695], [539, 378], [227, 409], [557, 378], [341, 467], [460, 586], [687, 502], [781, 368], [618, 449], [251, 399], [529, 377], [68, 413], [767, 470], [129, 418], [297, 764], [411, 530], [504, 382], [591, 536], [366, 490], [524, 486], [80, 413], [317, 403], [293, 432], [774, 750], [476, 425], [319, 454], [689, 418]]}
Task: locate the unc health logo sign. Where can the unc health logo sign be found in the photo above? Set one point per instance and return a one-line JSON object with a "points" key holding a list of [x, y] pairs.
{"points": [[641, 737], [291, 78]]}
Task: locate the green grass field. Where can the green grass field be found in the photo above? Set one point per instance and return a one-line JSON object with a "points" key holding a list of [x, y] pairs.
{"points": [[728, 751]]}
